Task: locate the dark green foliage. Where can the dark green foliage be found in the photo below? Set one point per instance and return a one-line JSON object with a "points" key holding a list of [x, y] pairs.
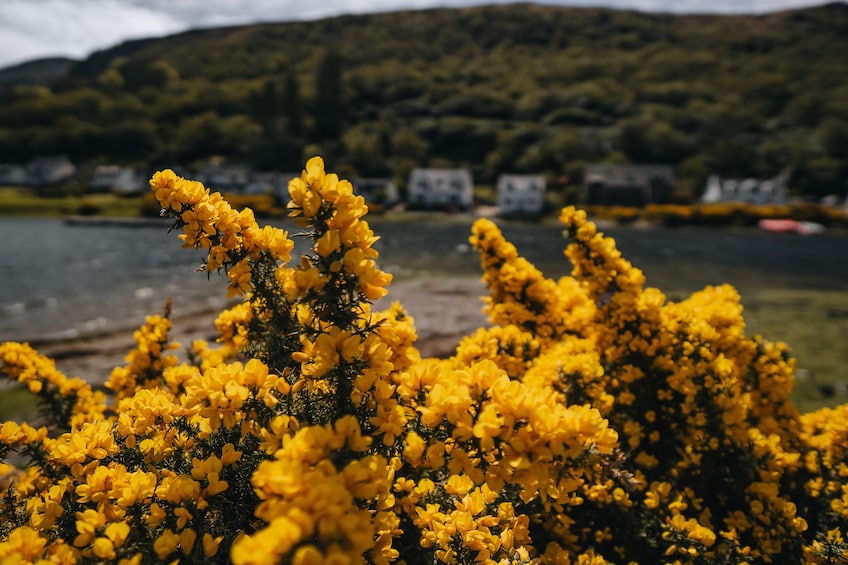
{"points": [[328, 107], [509, 88]]}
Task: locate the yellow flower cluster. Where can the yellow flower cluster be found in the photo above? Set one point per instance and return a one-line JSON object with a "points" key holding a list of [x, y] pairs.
{"points": [[593, 421], [316, 511], [233, 239], [521, 295], [71, 401], [145, 363], [343, 242]]}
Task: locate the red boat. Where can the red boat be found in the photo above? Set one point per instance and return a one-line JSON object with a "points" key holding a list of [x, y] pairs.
{"points": [[790, 226]]}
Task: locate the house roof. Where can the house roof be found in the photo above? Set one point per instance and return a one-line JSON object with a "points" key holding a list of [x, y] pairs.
{"points": [[441, 178], [441, 172], [626, 175], [521, 182]]}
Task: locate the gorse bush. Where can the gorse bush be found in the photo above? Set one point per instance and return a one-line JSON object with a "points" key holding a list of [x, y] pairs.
{"points": [[592, 421]]}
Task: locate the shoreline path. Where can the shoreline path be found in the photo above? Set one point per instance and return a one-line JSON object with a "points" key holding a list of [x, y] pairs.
{"points": [[444, 309]]}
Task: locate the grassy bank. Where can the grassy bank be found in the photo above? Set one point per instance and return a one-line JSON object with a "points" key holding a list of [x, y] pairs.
{"points": [[15, 202], [814, 323], [22, 202], [16, 403], [811, 318]]}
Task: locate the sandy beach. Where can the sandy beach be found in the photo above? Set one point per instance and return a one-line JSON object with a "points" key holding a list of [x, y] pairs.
{"points": [[444, 310]]}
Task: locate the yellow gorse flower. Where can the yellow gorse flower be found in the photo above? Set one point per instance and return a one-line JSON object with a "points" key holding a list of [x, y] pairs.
{"points": [[592, 421]]}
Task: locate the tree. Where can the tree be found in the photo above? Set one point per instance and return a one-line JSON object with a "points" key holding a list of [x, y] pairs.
{"points": [[833, 133], [647, 141], [328, 106], [292, 107], [818, 175], [364, 151], [407, 143], [265, 105], [278, 112]]}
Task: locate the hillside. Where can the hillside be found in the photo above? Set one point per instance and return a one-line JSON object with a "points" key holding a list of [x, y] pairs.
{"points": [[515, 88], [39, 71]]}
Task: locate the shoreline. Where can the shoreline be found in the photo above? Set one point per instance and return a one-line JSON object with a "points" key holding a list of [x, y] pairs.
{"points": [[444, 311], [122, 221]]}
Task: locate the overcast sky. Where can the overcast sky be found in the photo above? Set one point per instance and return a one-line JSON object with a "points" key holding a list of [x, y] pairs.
{"points": [[31, 29]]}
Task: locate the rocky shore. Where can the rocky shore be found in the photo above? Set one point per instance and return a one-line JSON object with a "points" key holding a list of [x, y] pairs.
{"points": [[444, 309]]}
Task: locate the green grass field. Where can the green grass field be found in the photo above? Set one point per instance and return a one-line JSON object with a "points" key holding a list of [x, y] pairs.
{"points": [[16, 403], [23, 203], [814, 323]]}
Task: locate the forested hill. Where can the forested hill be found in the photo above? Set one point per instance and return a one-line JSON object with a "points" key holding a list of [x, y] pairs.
{"points": [[510, 88]]}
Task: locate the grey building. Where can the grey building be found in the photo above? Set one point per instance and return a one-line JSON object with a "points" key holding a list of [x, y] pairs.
{"points": [[440, 189], [758, 192], [380, 192], [610, 184], [520, 195]]}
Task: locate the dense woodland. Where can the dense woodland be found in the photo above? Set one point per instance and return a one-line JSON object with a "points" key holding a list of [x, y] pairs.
{"points": [[515, 88]]}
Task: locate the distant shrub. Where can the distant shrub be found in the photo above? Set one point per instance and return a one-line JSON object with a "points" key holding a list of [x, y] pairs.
{"points": [[618, 214], [668, 214], [88, 208], [149, 207], [721, 214], [827, 215], [263, 205]]}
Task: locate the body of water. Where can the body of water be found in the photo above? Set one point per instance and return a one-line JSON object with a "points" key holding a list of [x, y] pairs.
{"points": [[59, 280], [676, 259]]}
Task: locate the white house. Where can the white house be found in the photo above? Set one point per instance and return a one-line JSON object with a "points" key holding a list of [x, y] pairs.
{"points": [[13, 175], [519, 195], [41, 171], [442, 189], [112, 178], [48, 170], [751, 191], [224, 177], [274, 183]]}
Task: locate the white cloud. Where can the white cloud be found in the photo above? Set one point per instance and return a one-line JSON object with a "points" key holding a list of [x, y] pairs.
{"points": [[41, 28], [200, 13]]}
